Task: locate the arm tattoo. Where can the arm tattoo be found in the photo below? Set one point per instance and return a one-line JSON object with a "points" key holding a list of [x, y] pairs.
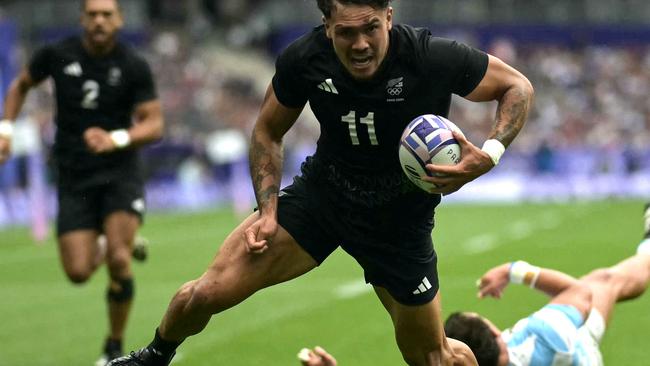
{"points": [[511, 115], [265, 172]]}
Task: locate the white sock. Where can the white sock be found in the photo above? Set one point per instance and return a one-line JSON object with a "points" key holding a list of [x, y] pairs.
{"points": [[644, 247]]}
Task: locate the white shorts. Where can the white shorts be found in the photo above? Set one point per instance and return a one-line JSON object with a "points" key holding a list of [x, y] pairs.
{"points": [[590, 335]]}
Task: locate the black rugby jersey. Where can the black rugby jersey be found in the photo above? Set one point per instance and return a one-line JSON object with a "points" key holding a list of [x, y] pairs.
{"points": [[361, 121], [92, 91]]}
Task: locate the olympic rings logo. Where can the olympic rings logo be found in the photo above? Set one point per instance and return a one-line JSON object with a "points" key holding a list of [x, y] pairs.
{"points": [[394, 91]]}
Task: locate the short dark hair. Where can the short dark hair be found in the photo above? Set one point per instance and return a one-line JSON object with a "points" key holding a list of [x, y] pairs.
{"points": [[82, 3], [474, 332], [326, 6]]}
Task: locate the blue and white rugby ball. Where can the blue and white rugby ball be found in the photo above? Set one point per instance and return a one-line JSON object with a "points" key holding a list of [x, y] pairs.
{"points": [[427, 140]]}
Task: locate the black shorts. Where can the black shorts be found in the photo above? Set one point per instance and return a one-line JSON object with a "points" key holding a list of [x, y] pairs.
{"points": [[85, 199], [393, 247]]}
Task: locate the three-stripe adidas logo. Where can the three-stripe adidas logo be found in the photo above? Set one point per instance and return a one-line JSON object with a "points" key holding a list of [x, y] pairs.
{"points": [[328, 86], [423, 287], [73, 69]]}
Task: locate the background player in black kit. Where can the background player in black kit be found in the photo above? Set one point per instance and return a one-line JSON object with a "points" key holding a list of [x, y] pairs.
{"points": [[101, 85], [365, 80]]}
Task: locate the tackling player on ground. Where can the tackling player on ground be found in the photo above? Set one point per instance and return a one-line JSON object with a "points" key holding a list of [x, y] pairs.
{"points": [[364, 79], [101, 86], [565, 332]]}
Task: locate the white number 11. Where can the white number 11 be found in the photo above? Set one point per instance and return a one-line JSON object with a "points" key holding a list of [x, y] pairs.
{"points": [[368, 120]]}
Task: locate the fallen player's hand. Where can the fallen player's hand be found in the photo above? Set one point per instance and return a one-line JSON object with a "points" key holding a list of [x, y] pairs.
{"points": [[494, 281], [316, 357]]}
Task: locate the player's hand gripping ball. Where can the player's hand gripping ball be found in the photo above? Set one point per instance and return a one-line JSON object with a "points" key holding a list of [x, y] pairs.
{"points": [[428, 139]]}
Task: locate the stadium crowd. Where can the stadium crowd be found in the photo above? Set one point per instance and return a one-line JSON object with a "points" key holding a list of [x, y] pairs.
{"points": [[591, 114]]}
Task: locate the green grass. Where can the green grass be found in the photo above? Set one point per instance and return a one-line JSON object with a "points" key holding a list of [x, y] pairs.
{"points": [[44, 320]]}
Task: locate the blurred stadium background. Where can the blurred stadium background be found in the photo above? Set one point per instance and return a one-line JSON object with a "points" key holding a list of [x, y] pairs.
{"points": [[568, 192]]}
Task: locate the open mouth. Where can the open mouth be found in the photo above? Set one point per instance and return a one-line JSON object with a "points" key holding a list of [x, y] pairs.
{"points": [[360, 62]]}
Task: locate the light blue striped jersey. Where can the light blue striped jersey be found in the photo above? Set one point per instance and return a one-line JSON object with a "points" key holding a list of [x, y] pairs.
{"points": [[551, 336]]}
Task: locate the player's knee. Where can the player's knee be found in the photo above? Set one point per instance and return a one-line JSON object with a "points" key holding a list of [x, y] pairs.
{"points": [[212, 296], [118, 260], [421, 354], [423, 358], [121, 290], [78, 275]]}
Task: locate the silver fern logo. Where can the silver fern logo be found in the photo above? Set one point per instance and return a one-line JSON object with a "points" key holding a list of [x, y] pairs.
{"points": [[394, 86]]}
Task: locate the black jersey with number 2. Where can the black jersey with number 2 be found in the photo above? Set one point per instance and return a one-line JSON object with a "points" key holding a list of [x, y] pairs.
{"points": [[92, 91], [361, 121]]}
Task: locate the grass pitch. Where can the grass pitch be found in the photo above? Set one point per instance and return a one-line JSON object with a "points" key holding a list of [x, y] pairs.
{"points": [[47, 321]]}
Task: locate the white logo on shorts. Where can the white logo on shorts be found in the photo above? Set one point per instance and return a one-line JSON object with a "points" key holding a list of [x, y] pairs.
{"points": [[138, 205], [423, 287]]}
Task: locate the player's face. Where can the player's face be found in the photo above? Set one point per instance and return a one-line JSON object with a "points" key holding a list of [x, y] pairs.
{"points": [[101, 19], [360, 36]]}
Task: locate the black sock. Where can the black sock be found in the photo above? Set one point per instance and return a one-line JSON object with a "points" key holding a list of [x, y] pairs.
{"points": [[167, 348], [113, 345]]}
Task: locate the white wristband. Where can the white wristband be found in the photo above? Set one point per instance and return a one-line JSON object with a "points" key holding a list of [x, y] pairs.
{"points": [[522, 272], [6, 128], [121, 138], [494, 148]]}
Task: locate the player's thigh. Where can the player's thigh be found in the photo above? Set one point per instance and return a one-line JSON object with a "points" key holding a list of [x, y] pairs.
{"points": [[235, 273], [603, 297], [418, 328], [77, 250], [580, 296], [120, 228]]}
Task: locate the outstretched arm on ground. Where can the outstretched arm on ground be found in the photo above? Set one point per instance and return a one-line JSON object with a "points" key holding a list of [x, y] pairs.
{"points": [[549, 281], [562, 288]]}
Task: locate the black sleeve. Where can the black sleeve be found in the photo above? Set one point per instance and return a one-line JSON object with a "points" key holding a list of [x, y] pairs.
{"points": [[289, 87], [39, 64], [455, 65], [144, 87]]}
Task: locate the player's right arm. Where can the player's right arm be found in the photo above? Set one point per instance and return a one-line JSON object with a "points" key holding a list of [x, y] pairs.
{"points": [[13, 104], [266, 160]]}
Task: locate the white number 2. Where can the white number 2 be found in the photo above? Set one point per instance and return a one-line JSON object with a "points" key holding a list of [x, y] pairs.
{"points": [[90, 90], [368, 120]]}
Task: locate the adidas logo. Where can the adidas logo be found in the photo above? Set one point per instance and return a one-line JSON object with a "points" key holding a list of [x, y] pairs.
{"points": [[74, 69], [424, 286], [328, 86]]}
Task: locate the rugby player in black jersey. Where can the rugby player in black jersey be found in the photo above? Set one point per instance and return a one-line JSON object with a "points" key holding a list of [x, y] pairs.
{"points": [[101, 87], [365, 80]]}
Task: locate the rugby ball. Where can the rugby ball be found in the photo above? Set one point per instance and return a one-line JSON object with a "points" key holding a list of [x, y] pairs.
{"points": [[426, 140]]}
